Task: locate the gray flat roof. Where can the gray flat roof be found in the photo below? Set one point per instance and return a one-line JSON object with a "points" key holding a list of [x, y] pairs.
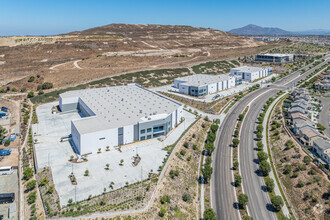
{"points": [[120, 106], [323, 144], [250, 69], [277, 54], [203, 79]]}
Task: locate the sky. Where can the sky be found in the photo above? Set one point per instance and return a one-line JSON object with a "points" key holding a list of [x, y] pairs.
{"points": [[50, 17]]}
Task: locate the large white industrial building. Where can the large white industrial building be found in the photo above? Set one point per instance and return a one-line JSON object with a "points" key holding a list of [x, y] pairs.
{"points": [[114, 116], [203, 84], [250, 73]]}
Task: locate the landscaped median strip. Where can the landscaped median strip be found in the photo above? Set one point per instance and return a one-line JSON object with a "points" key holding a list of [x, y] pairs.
{"points": [[274, 194]]}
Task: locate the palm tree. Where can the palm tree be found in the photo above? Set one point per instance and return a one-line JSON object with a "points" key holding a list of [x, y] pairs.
{"points": [[107, 165], [108, 148]]}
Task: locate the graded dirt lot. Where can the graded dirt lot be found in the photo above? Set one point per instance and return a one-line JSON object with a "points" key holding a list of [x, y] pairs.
{"points": [[113, 50]]}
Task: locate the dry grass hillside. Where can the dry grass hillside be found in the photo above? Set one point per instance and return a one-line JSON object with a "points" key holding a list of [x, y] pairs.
{"points": [[114, 49]]}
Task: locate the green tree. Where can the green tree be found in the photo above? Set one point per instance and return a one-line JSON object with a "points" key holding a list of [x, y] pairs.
{"points": [[269, 184], [238, 180], [28, 173], [241, 117], [209, 146], [207, 172], [277, 202], [259, 135], [40, 92], [211, 137], [7, 143], [214, 128], [243, 199], [260, 128], [262, 156], [44, 181], [107, 166], [86, 172], [235, 142], [209, 214], [31, 185], [287, 169], [265, 168], [32, 197], [70, 201]]}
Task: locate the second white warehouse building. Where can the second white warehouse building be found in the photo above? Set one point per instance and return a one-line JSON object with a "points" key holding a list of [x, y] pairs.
{"points": [[203, 84], [250, 73], [115, 116]]}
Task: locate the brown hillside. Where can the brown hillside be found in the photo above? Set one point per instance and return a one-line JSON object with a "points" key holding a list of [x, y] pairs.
{"points": [[114, 49]]}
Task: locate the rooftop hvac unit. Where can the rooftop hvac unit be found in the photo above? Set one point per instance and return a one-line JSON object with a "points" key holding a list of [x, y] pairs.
{"points": [[140, 110], [149, 118]]}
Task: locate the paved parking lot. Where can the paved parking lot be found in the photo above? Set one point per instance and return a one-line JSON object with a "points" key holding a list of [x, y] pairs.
{"points": [[51, 152], [9, 184]]}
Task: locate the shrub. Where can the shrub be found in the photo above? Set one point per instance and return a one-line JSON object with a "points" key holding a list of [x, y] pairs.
{"points": [[30, 94], [162, 212], [307, 160], [47, 85], [235, 165], [269, 184], [44, 181], [70, 201], [183, 152], [186, 145], [31, 79], [7, 143], [301, 167], [174, 173], [295, 174], [28, 173], [32, 197], [209, 214], [236, 132], [186, 197], [165, 199], [287, 169], [300, 184], [51, 189], [31, 185], [277, 202]]}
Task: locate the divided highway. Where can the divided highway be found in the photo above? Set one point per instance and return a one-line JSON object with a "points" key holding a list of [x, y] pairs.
{"points": [[222, 190]]}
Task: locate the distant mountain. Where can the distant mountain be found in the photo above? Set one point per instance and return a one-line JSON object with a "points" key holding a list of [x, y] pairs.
{"points": [[252, 29], [313, 32]]}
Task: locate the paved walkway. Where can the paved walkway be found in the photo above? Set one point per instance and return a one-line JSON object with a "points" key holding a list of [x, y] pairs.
{"points": [[277, 191]]}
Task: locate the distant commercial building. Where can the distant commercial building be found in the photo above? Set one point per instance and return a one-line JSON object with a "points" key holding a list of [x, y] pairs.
{"points": [[275, 58], [250, 73], [203, 84], [114, 116]]}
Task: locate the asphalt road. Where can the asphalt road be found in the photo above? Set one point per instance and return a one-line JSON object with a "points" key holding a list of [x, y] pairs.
{"points": [[325, 115], [222, 188]]}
